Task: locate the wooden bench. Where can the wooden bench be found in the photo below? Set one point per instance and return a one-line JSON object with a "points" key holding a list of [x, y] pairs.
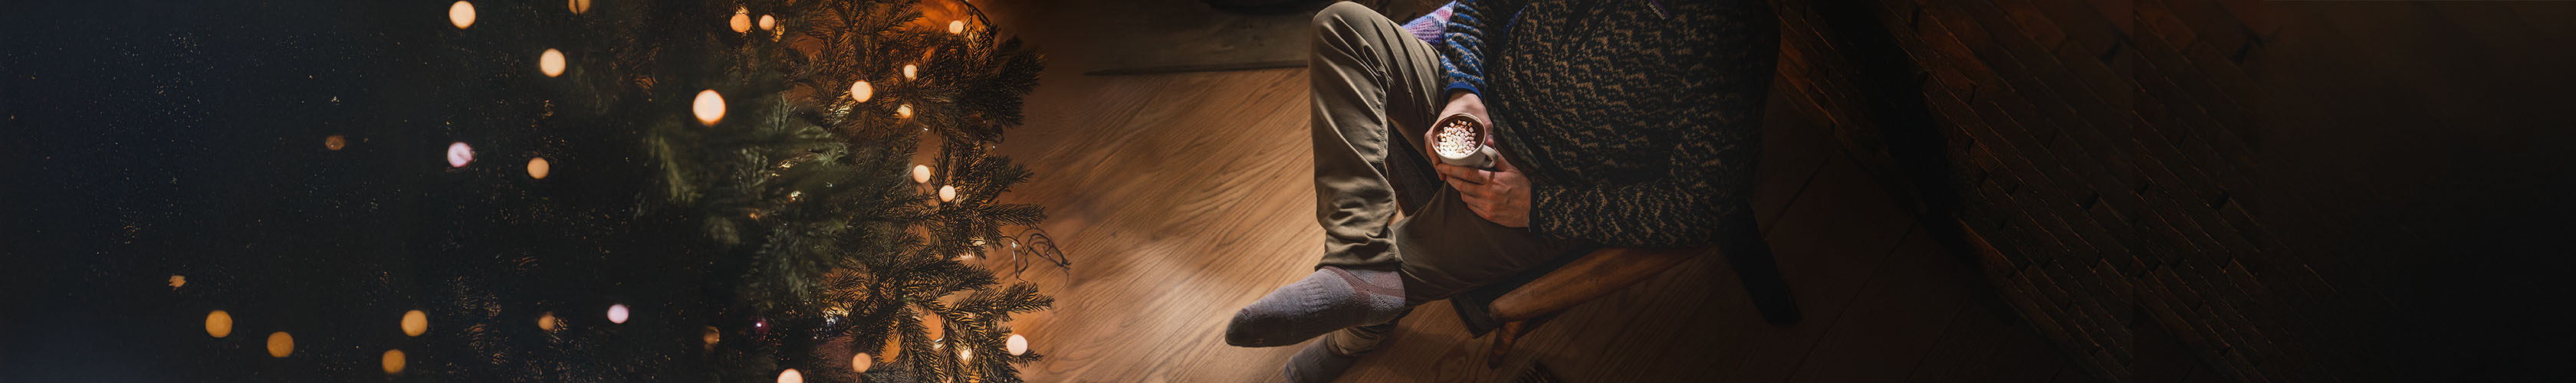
{"points": [[1608, 270]]}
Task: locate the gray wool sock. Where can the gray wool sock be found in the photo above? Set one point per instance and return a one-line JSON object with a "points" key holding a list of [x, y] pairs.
{"points": [[1317, 363], [1329, 299]]}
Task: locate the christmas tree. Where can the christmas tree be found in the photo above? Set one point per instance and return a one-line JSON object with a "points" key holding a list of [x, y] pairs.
{"points": [[784, 136]]}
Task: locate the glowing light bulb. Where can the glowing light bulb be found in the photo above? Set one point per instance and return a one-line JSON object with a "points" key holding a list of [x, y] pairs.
{"points": [[617, 313], [768, 23], [956, 26], [920, 173], [548, 322], [577, 6], [1017, 345], [415, 322], [709, 107], [904, 111], [538, 168], [280, 345], [741, 21], [790, 376], [861, 362], [860, 91], [335, 142], [219, 323], [947, 193], [461, 14], [909, 70], [551, 62], [458, 154], [394, 361]]}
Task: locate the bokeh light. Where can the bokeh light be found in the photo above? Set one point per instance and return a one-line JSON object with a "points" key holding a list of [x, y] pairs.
{"points": [[219, 324], [461, 14], [415, 323], [458, 154]]}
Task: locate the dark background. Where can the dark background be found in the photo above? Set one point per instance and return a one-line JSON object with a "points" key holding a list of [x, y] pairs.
{"points": [[151, 139]]}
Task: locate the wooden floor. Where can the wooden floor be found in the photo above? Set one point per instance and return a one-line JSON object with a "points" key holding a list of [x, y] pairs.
{"points": [[1182, 197]]}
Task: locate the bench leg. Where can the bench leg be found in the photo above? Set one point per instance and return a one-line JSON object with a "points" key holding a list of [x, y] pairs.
{"points": [[1762, 280], [1511, 332]]}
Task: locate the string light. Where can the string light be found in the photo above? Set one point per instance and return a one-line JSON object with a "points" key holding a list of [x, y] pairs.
{"points": [[860, 91], [219, 324], [458, 154], [904, 111], [551, 62], [920, 173], [617, 313], [461, 14], [741, 21], [1017, 345], [909, 70], [956, 27], [577, 6], [538, 168], [548, 322], [947, 193], [280, 345], [709, 107], [768, 23], [335, 142], [790, 376], [394, 361], [415, 323], [711, 336], [176, 281], [861, 362]]}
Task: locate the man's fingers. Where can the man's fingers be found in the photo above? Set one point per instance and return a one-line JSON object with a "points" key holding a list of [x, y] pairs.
{"points": [[1460, 173]]}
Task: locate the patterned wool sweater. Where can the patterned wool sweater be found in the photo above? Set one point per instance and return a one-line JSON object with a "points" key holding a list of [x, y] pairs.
{"points": [[1640, 120]]}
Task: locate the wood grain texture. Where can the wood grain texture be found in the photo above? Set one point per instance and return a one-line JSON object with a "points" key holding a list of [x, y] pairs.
{"points": [[1182, 197]]}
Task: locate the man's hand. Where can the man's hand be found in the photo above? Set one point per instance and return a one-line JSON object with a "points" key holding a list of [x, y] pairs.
{"points": [[1501, 195]]}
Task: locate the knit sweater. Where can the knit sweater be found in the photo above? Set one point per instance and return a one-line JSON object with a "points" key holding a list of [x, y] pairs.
{"points": [[1640, 120]]}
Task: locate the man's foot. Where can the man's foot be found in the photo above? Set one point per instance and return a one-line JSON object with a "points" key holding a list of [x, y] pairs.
{"points": [[1317, 363], [1325, 359], [1329, 299]]}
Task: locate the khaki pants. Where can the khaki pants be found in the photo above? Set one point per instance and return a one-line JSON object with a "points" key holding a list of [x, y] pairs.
{"points": [[1376, 89]]}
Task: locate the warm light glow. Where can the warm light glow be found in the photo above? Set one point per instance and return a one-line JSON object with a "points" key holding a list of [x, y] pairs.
{"points": [[904, 111], [790, 376], [920, 173], [394, 361], [967, 353], [461, 14], [415, 323], [909, 70], [710, 107], [947, 193], [861, 362], [860, 91], [280, 345], [577, 6], [956, 26], [458, 155], [617, 313], [768, 23], [219, 324], [538, 168], [741, 20], [335, 142], [548, 322], [1017, 345], [552, 62], [711, 336], [176, 281]]}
